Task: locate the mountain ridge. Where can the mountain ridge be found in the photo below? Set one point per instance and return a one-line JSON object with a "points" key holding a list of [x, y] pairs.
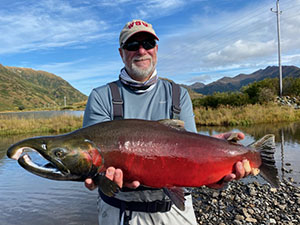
{"points": [[25, 88], [231, 84]]}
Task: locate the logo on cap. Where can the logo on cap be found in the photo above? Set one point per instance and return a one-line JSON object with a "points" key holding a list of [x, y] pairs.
{"points": [[137, 23]]}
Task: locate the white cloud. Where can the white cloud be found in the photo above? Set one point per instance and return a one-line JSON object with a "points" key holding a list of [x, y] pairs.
{"points": [[50, 23], [240, 51], [157, 8], [204, 78], [35, 25], [228, 41]]}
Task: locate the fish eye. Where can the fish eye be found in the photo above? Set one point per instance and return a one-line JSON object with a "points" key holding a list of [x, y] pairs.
{"points": [[59, 152]]}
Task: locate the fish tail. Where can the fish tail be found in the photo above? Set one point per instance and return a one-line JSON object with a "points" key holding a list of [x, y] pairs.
{"points": [[268, 170]]}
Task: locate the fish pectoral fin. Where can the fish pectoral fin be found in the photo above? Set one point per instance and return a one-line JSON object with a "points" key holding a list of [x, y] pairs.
{"points": [[176, 194], [107, 186], [176, 124]]}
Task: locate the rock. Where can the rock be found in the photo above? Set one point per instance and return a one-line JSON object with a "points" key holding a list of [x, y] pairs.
{"points": [[251, 211], [288, 101], [291, 179], [247, 204], [215, 194], [252, 220], [237, 222], [253, 192], [245, 213], [239, 217], [273, 190], [282, 207]]}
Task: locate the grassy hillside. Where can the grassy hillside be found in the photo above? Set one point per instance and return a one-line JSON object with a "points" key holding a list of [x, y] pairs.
{"points": [[22, 88]]}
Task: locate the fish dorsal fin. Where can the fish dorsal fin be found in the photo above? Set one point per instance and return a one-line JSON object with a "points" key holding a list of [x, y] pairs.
{"points": [[177, 196], [234, 137], [176, 124], [266, 147]]}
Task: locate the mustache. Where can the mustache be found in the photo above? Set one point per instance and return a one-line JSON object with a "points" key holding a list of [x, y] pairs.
{"points": [[137, 58]]}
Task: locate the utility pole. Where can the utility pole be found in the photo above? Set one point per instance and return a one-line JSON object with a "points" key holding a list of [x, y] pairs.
{"points": [[278, 12]]}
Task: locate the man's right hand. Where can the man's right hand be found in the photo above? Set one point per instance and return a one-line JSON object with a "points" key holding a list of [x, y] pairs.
{"points": [[115, 175]]}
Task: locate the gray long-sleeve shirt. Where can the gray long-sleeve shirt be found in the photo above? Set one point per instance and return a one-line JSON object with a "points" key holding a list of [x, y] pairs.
{"points": [[153, 105]]}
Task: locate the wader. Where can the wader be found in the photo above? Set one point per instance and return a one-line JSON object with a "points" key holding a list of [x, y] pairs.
{"points": [[114, 211]]}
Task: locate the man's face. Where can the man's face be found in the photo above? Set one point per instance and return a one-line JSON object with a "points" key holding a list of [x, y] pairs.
{"points": [[141, 63]]}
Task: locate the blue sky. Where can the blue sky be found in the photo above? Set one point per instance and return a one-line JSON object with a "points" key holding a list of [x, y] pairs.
{"points": [[200, 40]]}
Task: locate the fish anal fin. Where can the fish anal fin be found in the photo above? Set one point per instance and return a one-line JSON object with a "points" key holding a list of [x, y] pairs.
{"points": [[176, 124], [107, 186], [176, 194]]}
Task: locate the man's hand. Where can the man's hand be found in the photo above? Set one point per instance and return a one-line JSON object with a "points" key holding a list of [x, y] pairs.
{"points": [[89, 184], [239, 135], [115, 175], [241, 169]]}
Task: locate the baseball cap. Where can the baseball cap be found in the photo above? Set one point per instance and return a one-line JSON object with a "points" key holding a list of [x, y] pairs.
{"points": [[133, 27]]}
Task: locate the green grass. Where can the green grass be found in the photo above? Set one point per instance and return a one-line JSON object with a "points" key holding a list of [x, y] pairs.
{"points": [[245, 115], [58, 124]]}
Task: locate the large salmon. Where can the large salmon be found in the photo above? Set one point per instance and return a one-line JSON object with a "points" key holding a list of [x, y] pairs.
{"points": [[159, 154]]}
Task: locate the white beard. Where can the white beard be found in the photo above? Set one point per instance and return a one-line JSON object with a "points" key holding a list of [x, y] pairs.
{"points": [[138, 73]]}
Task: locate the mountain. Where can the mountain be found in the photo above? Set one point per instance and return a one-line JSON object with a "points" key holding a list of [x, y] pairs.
{"points": [[226, 84], [29, 89], [197, 85]]}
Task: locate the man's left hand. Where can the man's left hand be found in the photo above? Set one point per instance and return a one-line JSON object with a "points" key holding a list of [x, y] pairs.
{"points": [[241, 168]]}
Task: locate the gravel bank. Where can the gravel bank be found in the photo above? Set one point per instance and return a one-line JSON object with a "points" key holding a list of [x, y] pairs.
{"points": [[245, 204]]}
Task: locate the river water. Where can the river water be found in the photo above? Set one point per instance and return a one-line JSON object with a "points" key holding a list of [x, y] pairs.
{"points": [[28, 199]]}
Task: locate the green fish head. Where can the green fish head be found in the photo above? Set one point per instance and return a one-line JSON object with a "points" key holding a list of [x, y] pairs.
{"points": [[69, 159]]}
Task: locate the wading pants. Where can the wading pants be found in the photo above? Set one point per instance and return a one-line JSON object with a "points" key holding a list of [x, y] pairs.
{"points": [[109, 215]]}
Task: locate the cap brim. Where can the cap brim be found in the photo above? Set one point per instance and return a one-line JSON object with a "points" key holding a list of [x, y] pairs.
{"points": [[140, 31]]}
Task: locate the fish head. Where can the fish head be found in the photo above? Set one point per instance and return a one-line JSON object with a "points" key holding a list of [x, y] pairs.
{"points": [[68, 158]]}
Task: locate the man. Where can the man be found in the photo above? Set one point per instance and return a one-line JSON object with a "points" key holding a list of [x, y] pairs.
{"points": [[143, 96]]}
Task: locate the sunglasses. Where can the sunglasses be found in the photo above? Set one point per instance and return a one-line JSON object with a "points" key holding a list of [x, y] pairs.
{"points": [[135, 45]]}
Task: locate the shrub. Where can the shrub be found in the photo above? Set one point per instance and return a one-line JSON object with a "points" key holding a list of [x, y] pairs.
{"points": [[21, 107]]}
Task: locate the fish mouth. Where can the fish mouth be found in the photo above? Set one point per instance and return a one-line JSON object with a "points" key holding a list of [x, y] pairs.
{"points": [[53, 169], [47, 169]]}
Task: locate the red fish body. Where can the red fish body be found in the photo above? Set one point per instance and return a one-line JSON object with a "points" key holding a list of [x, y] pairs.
{"points": [[161, 156]]}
